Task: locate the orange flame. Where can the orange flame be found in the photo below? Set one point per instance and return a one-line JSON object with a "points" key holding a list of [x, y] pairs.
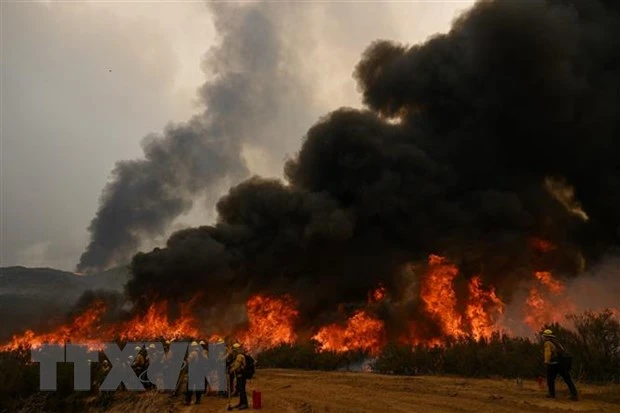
{"points": [[482, 309], [83, 330], [546, 279], [154, 324], [362, 332], [271, 322], [439, 296], [545, 302]]}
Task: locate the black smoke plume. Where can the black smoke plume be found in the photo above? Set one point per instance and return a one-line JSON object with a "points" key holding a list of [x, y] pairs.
{"points": [[249, 93], [454, 155]]}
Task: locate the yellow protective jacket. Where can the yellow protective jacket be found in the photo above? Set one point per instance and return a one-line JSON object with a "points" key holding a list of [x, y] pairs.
{"points": [[140, 361], [550, 352], [238, 364]]}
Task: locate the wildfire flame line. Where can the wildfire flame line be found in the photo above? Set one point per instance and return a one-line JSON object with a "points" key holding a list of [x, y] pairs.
{"points": [[271, 320]]}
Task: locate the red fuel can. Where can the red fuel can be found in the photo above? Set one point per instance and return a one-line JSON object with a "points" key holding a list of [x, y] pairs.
{"points": [[257, 402]]}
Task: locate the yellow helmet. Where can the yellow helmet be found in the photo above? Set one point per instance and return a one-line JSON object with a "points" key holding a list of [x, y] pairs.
{"points": [[138, 348], [194, 343], [547, 333], [202, 343], [236, 346]]}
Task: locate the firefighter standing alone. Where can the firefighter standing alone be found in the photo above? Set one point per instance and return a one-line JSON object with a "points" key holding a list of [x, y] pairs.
{"points": [[238, 369], [557, 363]]}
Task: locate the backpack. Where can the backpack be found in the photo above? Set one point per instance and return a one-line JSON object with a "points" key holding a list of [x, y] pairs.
{"points": [[565, 359], [249, 370]]}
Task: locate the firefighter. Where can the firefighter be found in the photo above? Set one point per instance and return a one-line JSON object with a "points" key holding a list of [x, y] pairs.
{"points": [[205, 355], [101, 373], [105, 397], [238, 369], [226, 359], [192, 357], [205, 348], [154, 367], [558, 363], [231, 376], [139, 364]]}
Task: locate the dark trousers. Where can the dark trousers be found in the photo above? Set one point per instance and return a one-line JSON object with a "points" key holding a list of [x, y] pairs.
{"points": [[189, 393], [231, 383], [243, 397], [188, 396], [553, 370]]}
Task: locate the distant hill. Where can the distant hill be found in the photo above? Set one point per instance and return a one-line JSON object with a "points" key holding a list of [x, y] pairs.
{"points": [[35, 297]]}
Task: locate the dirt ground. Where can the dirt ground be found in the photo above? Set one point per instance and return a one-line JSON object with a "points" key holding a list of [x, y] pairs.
{"points": [[295, 391]]}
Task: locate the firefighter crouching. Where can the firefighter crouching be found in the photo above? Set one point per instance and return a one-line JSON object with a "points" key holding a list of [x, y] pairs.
{"points": [[558, 362], [237, 368]]}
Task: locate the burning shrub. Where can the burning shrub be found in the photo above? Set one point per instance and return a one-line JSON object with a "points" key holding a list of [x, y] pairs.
{"points": [[594, 343]]}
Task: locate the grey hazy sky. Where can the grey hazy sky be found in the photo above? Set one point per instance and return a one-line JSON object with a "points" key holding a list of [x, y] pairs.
{"points": [[66, 118]]}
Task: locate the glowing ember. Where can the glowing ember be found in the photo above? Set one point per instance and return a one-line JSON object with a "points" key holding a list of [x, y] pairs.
{"points": [[542, 245], [376, 296], [439, 296], [482, 309], [361, 332], [271, 322]]}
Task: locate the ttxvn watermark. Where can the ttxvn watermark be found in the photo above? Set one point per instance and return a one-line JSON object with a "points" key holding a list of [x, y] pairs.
{"points": [[160, 368]]}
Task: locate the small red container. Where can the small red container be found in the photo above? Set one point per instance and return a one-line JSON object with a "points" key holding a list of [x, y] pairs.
{"points": [[257, 402]]}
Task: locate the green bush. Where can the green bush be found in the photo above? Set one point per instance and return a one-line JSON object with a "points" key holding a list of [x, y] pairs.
{"points": [[305, 356]]}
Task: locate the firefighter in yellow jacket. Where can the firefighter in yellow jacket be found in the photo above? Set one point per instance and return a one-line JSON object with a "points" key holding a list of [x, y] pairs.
{"points": [[238, 369], [192, 358], [139, 365], [557, 364]]}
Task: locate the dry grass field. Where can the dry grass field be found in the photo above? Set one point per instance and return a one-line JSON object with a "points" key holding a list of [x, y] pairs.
{"points": [[298, 391]]}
